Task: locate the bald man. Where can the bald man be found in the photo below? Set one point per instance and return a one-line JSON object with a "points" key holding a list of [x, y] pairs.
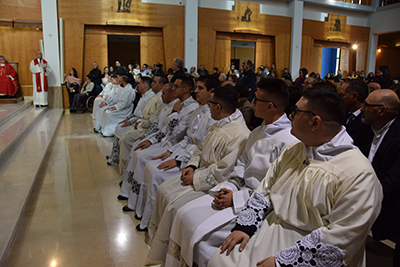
{"points": [[374, 86], [380, 142], [309, 82]]}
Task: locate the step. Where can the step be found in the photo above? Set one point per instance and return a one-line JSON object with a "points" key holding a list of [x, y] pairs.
{"points": [[12, 129], [7, 111], [18, 174]]}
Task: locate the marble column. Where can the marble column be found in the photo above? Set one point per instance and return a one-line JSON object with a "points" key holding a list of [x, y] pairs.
{"points": [[52, 51], [191, 35], [296, 10]]}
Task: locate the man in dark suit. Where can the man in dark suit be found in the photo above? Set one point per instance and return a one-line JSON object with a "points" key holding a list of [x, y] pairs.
{"points": [[379, 140], [354, 93], [177, 67], [248, 78]]}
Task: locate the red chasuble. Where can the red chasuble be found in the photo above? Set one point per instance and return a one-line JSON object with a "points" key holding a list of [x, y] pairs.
{"points": [[8, 86]]}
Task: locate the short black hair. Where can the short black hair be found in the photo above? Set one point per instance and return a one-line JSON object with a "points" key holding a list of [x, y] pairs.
{"points": [[226, 97], [162, 79], [210, 81], [277, 89], [385, 70], [187, 82], [294, 97], [359, 87], [325, 102], [241, 90], [305, 71], [147, 81], [125, 79]]}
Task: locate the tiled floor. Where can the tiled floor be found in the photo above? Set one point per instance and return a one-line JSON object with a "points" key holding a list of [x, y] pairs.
{"points": [[74, 218]]}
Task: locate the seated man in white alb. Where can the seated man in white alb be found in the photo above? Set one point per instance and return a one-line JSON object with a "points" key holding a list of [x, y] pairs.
{"points": [[107, 103], [209, 165], [317, 202], [178, 120], [177, 123], [104, 94], [169, 100], [199, 227], [174, 160], [147, 110], [120, 110]]}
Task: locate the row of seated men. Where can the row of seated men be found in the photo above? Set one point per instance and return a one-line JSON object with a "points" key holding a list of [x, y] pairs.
{"points": [[296, 192]]}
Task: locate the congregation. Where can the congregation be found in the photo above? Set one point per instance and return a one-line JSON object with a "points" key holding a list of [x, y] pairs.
{"points": [[251, 167]]}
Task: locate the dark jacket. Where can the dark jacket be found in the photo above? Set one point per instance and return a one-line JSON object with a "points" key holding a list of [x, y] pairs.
{"points": [[95, 76], [386, 164], [248, 78]]}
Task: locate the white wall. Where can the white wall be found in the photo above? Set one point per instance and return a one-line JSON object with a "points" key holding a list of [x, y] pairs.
{"points": [[275, 8], [385, 20], [166, 2], [217, 4]]}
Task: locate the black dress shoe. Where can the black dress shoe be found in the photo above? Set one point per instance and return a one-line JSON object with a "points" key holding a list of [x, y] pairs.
{"points": [[108, 163], [120, 184], [138, 218], [122, 197], [107, 157], [37, 106], [127, 209], [140, 229]]}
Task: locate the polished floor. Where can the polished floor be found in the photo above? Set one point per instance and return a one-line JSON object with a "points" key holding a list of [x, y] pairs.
{"points": [[73, 217]]}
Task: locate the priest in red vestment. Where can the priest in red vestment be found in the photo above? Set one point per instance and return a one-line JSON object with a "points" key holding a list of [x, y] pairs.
{"points": [[8, 80]]}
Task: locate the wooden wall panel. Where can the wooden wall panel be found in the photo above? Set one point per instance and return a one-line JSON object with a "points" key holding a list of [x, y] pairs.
{"points": [[222, 55], [349, 59], [21, 9], [206, 47], [307, 46], [228, 21], [105, 12], [95, 50], [316, 60], [275, 28], [173, 43], [282, 51], [151, 49], [389, 57], [362, 55], [265, 51], [13, 45], [73, 53]]}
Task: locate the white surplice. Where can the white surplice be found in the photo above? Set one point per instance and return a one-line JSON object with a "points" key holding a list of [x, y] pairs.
{"points": [[214, 160], [147, 110], [199, 227], [124, 107], [172, 132], [110, 101], [315, 207], [198, 128], [107, 91]]}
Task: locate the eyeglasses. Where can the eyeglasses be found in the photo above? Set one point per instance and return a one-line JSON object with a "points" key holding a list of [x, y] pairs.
{"points": [[294, 110], [209, 101], [264, 101], [372, 105]]}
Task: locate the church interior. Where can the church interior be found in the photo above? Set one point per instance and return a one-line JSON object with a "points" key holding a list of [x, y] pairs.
{"points": [[59, 205]]}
